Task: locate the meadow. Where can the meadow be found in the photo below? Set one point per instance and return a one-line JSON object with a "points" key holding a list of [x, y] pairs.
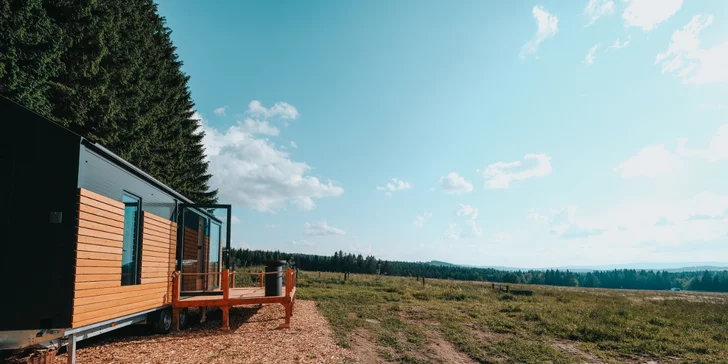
{"points": [[398, 319]]}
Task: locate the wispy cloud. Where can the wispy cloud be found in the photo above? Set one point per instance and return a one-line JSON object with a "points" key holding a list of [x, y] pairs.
{"points": [[421, 219], [394, 186], [716, 150], [652, 161], [548, 26], [619, 45], [596, 9], [455, 184], [282, 110], [501, 174], [303, 242], [321, 228], [471, 213], [646, 14], [590, 55], [220, 111], [689, 61]]}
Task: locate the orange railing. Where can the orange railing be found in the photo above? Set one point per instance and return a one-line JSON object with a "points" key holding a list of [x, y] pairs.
{"points": [[227, 281]]}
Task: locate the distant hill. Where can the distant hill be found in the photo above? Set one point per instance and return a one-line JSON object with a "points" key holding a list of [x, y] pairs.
{"points": [[441, 264], [669, 267]]}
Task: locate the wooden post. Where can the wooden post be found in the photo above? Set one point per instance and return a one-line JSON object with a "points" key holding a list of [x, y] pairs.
{"points": [[225, 285], [261, 279], [175, 319], [423, 280], [288, 284], [232, 275], [176, 286], [225, 317]]}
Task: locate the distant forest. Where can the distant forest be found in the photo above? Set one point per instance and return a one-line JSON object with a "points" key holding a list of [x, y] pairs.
{"points": [[618, 278]]}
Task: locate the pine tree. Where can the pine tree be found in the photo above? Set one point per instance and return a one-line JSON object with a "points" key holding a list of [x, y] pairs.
{"points": [[30, 51], [107, 70]]}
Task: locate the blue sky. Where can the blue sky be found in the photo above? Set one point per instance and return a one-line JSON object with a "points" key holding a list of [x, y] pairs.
{"points": [[527, 134]]}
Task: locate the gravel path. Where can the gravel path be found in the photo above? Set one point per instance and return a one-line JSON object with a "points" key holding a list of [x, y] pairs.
{"points": [[253, 338]]}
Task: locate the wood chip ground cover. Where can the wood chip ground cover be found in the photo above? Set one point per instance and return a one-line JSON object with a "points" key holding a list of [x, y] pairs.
{"points": [[253, 338]]}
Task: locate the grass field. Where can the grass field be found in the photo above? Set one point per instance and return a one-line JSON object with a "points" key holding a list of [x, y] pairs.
{"points": [[398, 319]]}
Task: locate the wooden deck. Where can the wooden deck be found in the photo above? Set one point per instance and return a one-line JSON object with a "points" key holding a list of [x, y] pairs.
{"points": [[229, 296]]}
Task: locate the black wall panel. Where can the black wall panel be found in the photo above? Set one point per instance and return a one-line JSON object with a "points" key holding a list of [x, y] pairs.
{"points": [[38, 192]]}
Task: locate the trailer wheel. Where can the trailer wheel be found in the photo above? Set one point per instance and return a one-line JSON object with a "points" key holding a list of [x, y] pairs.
{"points": [[183, 318], [161, 321]]}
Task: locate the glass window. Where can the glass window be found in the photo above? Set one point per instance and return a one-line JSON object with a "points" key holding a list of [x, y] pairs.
{"points": [[130, 249], [214, 253]]}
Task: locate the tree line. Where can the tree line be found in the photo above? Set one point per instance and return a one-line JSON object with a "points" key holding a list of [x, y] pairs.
{"points": [[108, 71], [618, 278]]}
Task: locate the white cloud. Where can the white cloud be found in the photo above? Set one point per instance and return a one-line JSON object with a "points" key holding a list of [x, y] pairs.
{"points": [[596, 9], [394, 186], [619, 45], [293, 144], [321, 229], [254, 173], [703, 217], [234, 220], [270, 226], [258, 127], [455, 184], [716, 150], [501, 174], [657, 160], [548, 26], [304, 203], [590, 55], [220, 111], [466, 210], [303, 242], [652, 161], [646, 14], [281, 110], [472, 214], [689, 61], [452, 232], [421, 219]]}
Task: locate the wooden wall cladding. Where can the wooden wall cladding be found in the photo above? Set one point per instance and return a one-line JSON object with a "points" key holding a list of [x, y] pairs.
{"points": [[190, 255], [98, 293]]}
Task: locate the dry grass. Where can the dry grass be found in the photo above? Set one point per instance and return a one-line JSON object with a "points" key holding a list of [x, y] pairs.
{"points": [[253, 338], [400, 320]]}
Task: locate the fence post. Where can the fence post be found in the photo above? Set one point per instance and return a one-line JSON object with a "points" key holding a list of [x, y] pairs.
{"points": [[260, 277], [232, 275]]}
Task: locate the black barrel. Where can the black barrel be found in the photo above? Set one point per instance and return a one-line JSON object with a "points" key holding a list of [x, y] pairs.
{"points": [[274, 282]]}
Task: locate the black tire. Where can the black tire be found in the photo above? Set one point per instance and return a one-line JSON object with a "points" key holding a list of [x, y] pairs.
{"points": [[183, 318], [160, 322]]}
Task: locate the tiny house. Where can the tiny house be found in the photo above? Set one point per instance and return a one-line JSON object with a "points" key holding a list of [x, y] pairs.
{"points": [[90, 241]]}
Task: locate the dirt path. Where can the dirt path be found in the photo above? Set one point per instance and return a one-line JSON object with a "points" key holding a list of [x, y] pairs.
{"points": [[253, 338]]}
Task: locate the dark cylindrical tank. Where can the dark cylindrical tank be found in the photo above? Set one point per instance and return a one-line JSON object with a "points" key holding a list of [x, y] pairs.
{"points": [[273, 281]]}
